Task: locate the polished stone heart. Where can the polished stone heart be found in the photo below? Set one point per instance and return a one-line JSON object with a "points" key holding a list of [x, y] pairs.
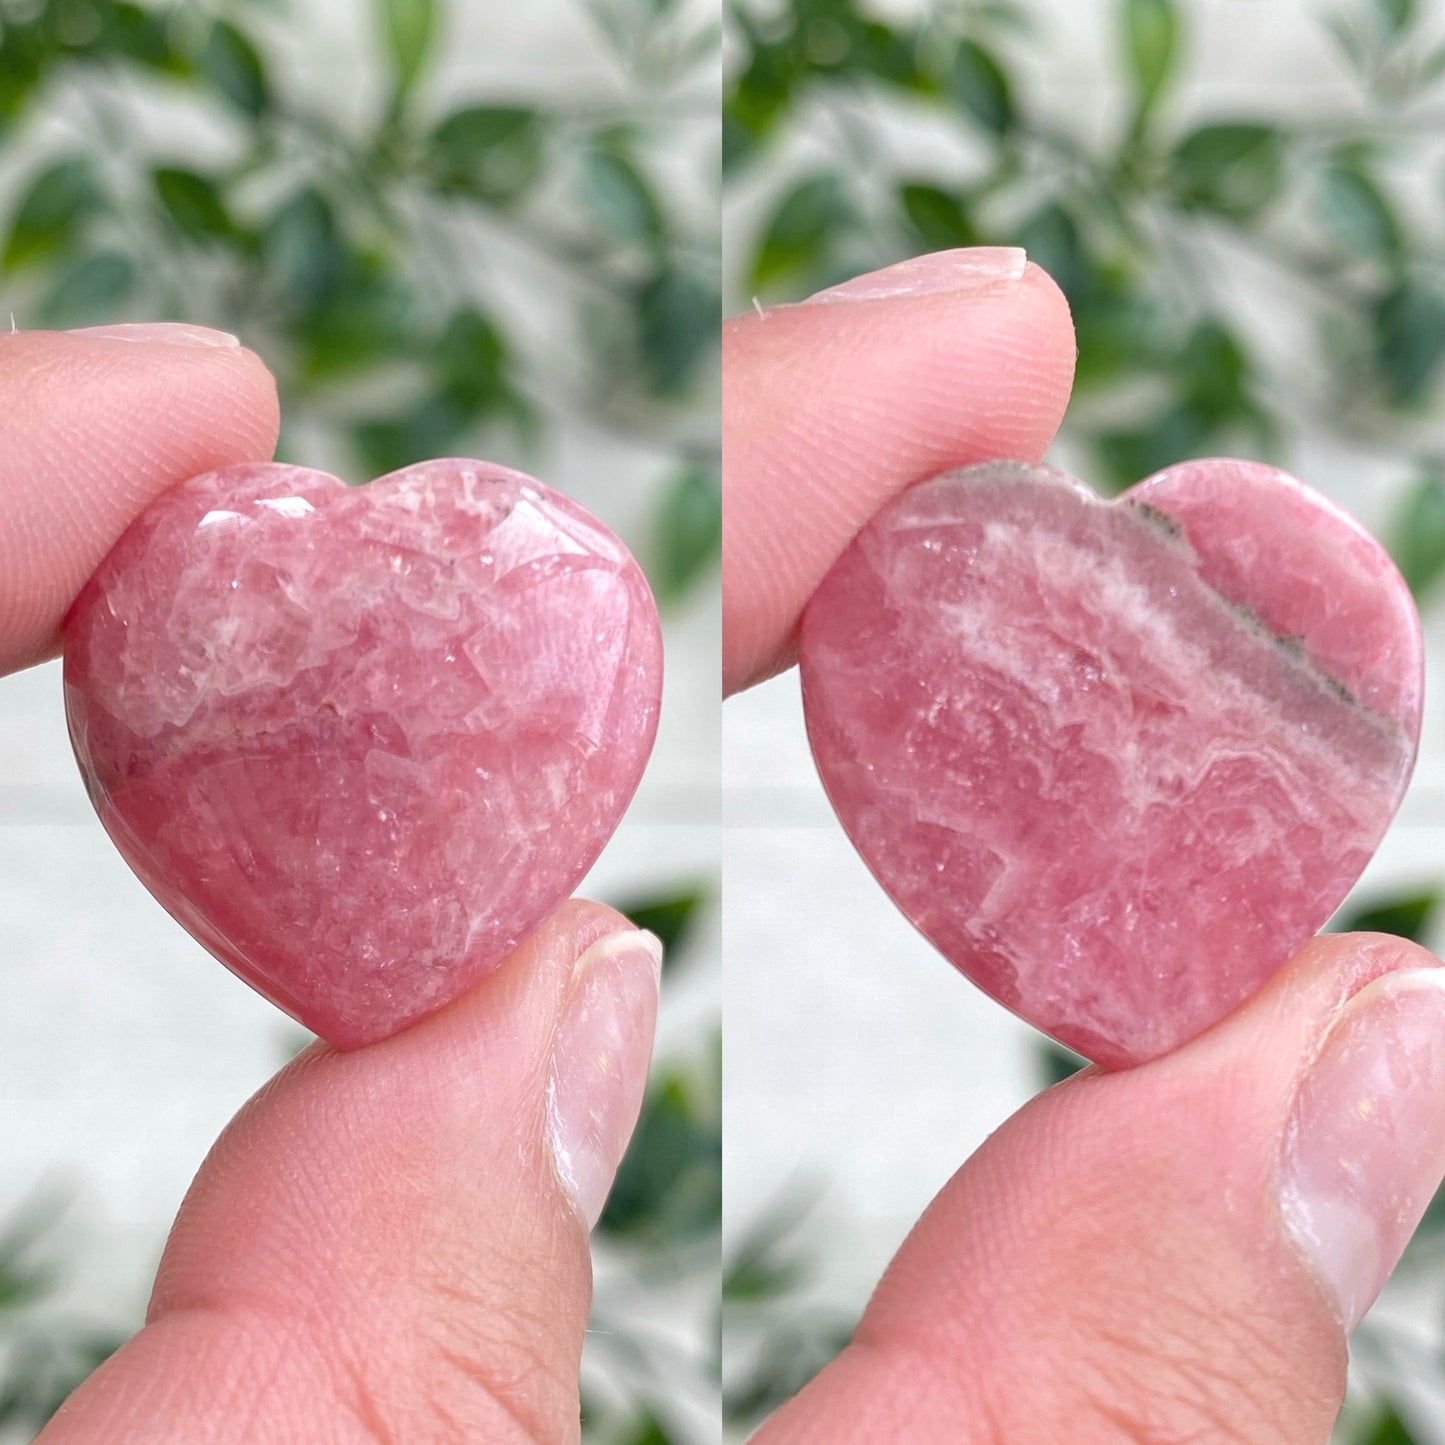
{"points": [[360, 742], [1118, 762]]}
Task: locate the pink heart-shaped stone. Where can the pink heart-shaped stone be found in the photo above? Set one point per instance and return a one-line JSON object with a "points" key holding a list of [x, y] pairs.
{"points": [[1118, 762], [360, 742]]}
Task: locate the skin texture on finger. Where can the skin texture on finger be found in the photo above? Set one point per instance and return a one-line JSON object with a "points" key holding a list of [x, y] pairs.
{"points": [[96, 427], [378, 1249], [1113, 1264], [829, 410]]}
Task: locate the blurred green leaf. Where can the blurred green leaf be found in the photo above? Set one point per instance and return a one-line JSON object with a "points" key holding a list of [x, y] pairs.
{"points": [[671, 916], [233, 65], [804, 229], [1396, 16], [1215, 372], [646, 1431], [1387, 1428], [1355, 210], [27, 50], [194, 204], [142, 35], [302, 250], [1151, 47], [1177, 432], [90, 292], [1121, 333], [618, 195], [689, 532], [670, 1183], [24, 1277], [22, 1283], [1409, 337], [430, 427], [1055, 1063], [491, 152], [52, 212], [786, 1358], [679, 323], [1417, 537], [409, 29], [1213, 405], [1052, 238], [939, 218], [1410, 916], [469, 362], [471, 358], [738, 143], [891, 54], [1233, 167], [41, 1371], [772, 1256], [982, 88], [372, 319], [760, 97]]}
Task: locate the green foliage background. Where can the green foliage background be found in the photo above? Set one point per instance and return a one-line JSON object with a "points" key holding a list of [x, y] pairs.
{"points": [[163, 160], [363, 261], [851, 142]]}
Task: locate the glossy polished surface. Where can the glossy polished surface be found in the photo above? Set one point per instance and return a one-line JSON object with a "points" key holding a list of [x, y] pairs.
{"points": [[361, 741], [1116, 761]]}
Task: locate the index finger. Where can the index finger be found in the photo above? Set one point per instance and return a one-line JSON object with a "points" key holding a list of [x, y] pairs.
{"points": [[832, 407], [96, 425]]}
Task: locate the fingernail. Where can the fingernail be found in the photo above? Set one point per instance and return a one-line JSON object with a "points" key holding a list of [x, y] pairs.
{"points": [[169, 333], [1364, 1150], [972, 268], [599, 1063]]}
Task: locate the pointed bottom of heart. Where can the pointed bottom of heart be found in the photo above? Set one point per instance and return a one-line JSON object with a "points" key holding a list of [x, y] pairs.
{"points": [[1118, 762]]}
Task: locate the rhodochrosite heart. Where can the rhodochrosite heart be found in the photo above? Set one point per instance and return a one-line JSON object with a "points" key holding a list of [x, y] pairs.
{"points": [[361, 741], [1118, 762]]}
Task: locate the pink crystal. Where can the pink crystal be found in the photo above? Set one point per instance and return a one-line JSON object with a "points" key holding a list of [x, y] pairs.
{"points": [[1117, 762], [360, 742]]}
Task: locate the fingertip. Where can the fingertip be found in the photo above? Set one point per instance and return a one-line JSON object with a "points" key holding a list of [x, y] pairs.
{"points": [[417, 1179], [830, 410], [96, 427], [1311, 1143], [1055, 349]]}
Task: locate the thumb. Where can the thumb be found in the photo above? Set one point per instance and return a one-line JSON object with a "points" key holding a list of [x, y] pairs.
{"points": [[1174, 1252], [393, 1241]]}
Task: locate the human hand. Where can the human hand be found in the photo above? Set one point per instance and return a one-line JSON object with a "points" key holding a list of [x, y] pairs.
{"points": [[1173, 1252], [389, 1244]]}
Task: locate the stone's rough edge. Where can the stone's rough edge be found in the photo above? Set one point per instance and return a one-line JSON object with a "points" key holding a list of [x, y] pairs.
{"points": [[1149, 514], [1136, 497], [1161, 519], [486, 472], [572, 520]]}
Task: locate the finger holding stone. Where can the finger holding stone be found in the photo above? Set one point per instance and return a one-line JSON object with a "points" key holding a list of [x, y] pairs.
{"points": [[834, 406], [98, 423], [1173, 1252], [398, 1235]]}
